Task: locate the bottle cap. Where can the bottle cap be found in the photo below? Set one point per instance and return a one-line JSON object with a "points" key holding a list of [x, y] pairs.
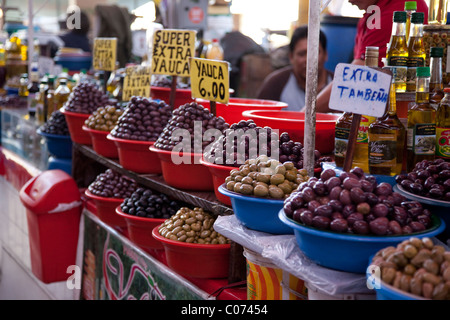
{"points": [[410, 5], [417, 17], [372, 51], [423, 72], [436, 52], [399, 16], [447, 90]]}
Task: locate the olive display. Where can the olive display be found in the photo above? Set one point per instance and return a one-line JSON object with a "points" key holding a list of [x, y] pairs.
{"points": [[166, 82], [265, 177], [86, 98], [11, 101], [56, 124], [112, 184], [355, 203], [192, 226], [429, 179], [104, 118], [147, 203], [416, 266], [185, 117]]}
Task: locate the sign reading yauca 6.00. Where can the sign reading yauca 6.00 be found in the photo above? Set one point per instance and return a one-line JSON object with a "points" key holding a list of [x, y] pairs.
{"points": [[360, 90], [104, 54], [172, 50], [210, 80], [136, 82]]}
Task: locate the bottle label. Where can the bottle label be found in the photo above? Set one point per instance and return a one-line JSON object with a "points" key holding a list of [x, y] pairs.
{"points": [[409, 138], [414, 62], [424, 138], [443, 142], [341, 141], [31, 102], [363, 131], [396, 61], [400, 74], [383, 150]]}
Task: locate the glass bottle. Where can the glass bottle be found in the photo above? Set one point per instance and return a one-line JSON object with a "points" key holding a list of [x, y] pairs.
{"points": [[2, 68], [61, 94], [113, 80], [33, 89], [215, 51], [341, 133], [437, 12], [416, 50], [360, 154], [387, 140], [23, 89], [421, 134], [49, 105], [41, 97], [443, 127], [436, 83], [410, 8], [397, 52]]}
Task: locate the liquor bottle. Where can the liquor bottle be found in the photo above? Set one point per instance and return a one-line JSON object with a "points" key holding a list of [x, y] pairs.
{"points": [[410, 8], [41, 98], [61, 94], [443, 127], [436, 83], [33, 89], [397, 52], [49, 105], [341, 133], [416, 50], [387, 140], [214, 51], [421, 132], [360, 154]]}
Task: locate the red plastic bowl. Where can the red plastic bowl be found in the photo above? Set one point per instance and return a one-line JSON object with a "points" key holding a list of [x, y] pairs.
{"points": [[182, 96], [233, 112], [187, 176], [293, 122], [136, 156], [101, 144], [140, 230], [75, 122], [219, 174], [106, 209], [195, 260]]}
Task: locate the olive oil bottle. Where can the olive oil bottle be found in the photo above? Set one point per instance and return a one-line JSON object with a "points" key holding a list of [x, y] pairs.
{"points": [[410, 8], [443, 127], [436, 83], [416, 50], [397, 52], [387, 140], [341, 133], [421, 132]]}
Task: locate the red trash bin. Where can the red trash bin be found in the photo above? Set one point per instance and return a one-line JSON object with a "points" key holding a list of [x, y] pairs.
{"points": [[53, 204]]}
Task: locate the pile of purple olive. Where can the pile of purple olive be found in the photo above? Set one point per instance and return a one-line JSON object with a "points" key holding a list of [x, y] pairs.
{"points": [[355, 203], [86, 98], [112, 184]]}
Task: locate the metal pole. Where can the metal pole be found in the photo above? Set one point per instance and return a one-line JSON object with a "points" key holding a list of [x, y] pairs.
{"points": [[30, 35], [311, 85]]}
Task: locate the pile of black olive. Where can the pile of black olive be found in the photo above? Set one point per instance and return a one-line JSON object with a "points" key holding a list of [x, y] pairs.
{"points": [[143, 120], [150, 204], [429, 179], [185, 117], [112, 184], [355, 203], [56, 124], [86, 98]]}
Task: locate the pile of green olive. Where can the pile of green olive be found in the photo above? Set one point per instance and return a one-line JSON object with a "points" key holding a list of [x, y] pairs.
{"points": [[104, 118], [267, 178], [192, 226]]}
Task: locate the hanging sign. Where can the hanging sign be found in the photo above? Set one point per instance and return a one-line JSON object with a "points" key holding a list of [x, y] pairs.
{"points": [[360, 90], [136, 82], [104, 54], [210, 80], [172, 50]]}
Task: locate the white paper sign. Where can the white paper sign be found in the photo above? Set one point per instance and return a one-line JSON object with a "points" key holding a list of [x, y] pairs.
{"points": [[360, 90]]}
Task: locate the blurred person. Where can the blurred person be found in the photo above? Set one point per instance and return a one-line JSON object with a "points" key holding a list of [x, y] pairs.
{"points": [[78, 37], [288, 83]]}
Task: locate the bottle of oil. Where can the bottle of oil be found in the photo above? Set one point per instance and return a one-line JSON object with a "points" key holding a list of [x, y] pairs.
{"points": [[421, 134], [436, 83], [33, 89], [41, 98], [214, 51], [341, 133], [113, 80], [410, 8], [387, 140], [397, 52], [360, 155], [437, 12], [416, 50], [61, 94], [49, 105], [23, 89], [443, 127]]}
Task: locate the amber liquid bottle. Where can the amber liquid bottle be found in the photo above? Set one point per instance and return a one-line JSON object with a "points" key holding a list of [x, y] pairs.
{"points": [[436, 83], [410, 8], [421, 134], [416, 50], [443, 127], [397, 52], [387, 141], [341, 133]]}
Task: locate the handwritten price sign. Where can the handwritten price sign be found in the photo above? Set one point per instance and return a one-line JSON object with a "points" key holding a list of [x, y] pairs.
{"points": [[104, 54], [210, 80], [136, 82]]}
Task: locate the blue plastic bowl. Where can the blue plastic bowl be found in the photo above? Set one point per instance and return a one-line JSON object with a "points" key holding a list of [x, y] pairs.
{"points": [[348, 252], [60, 163], [74, 63], [59, 146], [256, 213]]}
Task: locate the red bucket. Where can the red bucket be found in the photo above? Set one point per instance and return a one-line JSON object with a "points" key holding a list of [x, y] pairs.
{"points": [[140, 230], [187, 176], [293, 122], [182, 96], [136, 155], [219, 174], [195, 260], [106, 209], [101, 144], [75, 122]]}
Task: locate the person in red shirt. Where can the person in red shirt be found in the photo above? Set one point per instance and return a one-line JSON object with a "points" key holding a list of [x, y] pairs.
{"points": [[367, 34]]}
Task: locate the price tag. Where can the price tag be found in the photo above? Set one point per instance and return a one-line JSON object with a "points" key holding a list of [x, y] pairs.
{"points": [[105, 53], [360, 90], [210, 80], [136, 82], [172, 50]]}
